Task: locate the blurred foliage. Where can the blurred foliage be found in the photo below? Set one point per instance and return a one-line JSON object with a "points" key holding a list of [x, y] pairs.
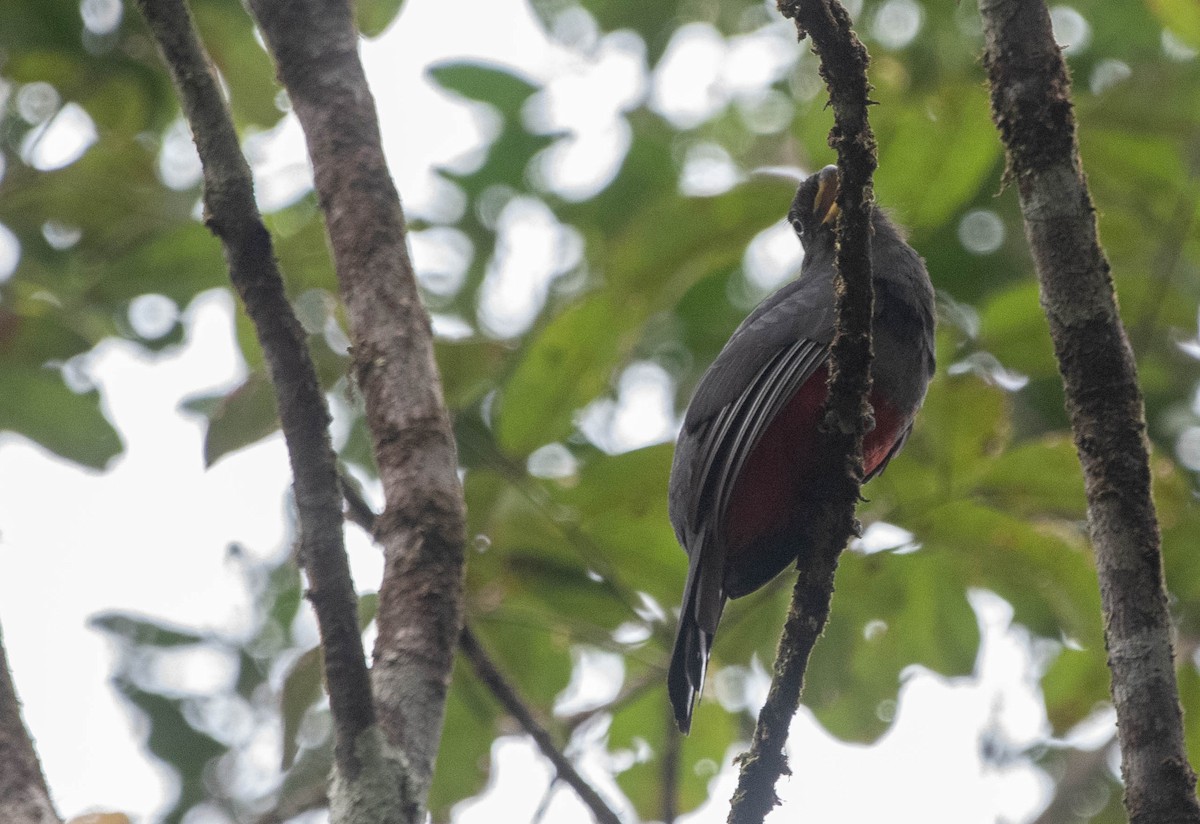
{"points": [[205, 737], [572, 547]]}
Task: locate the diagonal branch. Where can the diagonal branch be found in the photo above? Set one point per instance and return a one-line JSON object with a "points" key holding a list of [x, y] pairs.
{"points": [[359, 511], [487, 671], [232, 215], [422, 529], [24, 798], [1031, 105], [844, 62]]}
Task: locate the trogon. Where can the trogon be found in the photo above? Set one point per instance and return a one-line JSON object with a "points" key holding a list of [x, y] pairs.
{"points": [[746, 476]]}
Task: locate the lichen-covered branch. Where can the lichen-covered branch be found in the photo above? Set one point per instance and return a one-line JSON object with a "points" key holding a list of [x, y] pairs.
{"points": [[844, 62], [1031, 105], [422, 529], [24, 798], [359, 511], [232, 215]]}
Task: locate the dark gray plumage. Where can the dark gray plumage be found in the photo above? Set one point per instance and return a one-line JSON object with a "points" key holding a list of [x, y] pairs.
{"points": [[770, 377]]}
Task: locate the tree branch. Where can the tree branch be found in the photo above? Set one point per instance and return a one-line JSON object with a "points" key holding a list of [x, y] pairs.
{"points": [[232, 215], [1031, 105], [506, 694], [670, 767], [422, 529], [24, 797], [844, 62], [359, 511]]}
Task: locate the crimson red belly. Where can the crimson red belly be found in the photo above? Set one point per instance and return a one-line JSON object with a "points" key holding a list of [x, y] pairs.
{"points": [[779, 471]]}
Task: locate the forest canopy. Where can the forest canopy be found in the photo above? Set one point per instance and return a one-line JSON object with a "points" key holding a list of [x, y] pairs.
{"points": [[604, 230]]}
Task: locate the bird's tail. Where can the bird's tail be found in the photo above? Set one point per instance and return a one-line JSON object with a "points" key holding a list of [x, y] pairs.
{"points": [[703, 602], [689, 659]]}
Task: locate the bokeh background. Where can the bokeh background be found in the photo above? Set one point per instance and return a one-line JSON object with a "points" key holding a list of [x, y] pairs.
{"points": [[596, 193]]}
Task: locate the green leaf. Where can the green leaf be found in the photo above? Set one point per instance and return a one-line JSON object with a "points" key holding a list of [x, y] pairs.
{"points": [[243, 63], [648, 271], [643, 728], [468, 730], [1075, 686], [469, 369], [491, 84], [510, 153], [963, 426], [175, 742], [928, 182], [302, 687], [36, 335], [125, 203], [144, 632], [302, 247], [1013, 328], [1038, 479], [1189, 696], [528, 647], [890, 611], [374, 16], [535, 408], [1181, 17], [179, 262], [620, 505], [37, 404], [1043, 569], [242, 417]]}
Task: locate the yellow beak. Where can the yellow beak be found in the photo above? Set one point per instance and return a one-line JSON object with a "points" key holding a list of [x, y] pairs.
{"points": [[825, 206]]}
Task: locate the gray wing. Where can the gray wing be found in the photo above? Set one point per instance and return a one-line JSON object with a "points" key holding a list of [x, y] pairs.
{"points": [[734, 433], [707, 462], [765, 361]]}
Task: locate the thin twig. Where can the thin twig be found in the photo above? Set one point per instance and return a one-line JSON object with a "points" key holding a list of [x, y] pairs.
{"points": [[1165, 264], [670, 766], [1031, 105], [422, 529], [844, 68], [543, 807], [630, 691], [24, 797], [358, 511], [233, 217], [506, 694]]}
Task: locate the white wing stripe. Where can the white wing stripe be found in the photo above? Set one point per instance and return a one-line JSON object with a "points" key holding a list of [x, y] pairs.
{"points": [[737, 428]]}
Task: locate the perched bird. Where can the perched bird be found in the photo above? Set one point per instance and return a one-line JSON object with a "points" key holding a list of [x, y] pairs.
{"points": [[746, 477]]}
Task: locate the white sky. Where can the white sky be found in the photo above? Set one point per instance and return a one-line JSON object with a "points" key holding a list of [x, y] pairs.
{"points": [[150, 534]]}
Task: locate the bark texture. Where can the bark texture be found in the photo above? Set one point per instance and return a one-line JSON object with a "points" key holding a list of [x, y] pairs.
{"points": [[844, 63], [1031, 105], [24, 798], [232, 215], [486, 669], [422, 529]]}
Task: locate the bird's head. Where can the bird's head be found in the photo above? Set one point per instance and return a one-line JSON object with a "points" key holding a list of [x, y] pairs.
{"points": [[814, 211]]}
